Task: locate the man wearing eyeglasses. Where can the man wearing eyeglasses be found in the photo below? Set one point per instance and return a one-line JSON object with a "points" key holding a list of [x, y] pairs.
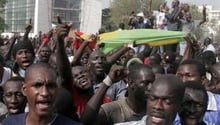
{"points": [[13, 97]]}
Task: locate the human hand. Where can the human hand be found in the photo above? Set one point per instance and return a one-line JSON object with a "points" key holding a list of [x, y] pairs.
{"points": [[117, 73], [29, 26], [62, 30]]}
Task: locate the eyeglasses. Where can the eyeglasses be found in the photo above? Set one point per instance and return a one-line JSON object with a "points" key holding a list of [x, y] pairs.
{"points": [[16, 94]]}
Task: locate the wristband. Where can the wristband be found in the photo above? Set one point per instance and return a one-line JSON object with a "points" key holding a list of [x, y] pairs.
{"points": [[130, 45], [107, 81]]}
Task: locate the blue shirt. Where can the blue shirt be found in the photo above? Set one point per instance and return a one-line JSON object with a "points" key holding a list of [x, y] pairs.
{"points": [[20, 119], [212, 115]]}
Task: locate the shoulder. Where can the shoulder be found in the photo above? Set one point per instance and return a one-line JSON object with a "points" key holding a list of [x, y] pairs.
{"points": [[2, 117], [62, 120], [115, 105], [15, 120]]}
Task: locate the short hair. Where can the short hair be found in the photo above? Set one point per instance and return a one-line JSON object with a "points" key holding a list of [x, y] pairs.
{"points": [[177, 2], [95, 51], [174, 82], [156, 68], [135, 69], [39, 65], [208, 56], [197, 85], [14, 79], [199, 66]]}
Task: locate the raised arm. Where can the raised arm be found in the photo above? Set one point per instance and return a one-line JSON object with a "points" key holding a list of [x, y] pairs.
{"points": [[112, 58], [203, 16], [45, 40], [63, 64], [78, 53], [91, 114], [8, 54], [27, 31]]}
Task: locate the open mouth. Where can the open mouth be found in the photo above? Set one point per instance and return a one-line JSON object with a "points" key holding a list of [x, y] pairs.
{"points": [[191, 116], [26, 63], [43, 104], [100, 68], [157, 118], [84, 82], [14, 109]]}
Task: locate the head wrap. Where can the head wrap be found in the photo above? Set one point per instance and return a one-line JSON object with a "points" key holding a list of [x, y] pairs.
{"points": [[22, 45]]}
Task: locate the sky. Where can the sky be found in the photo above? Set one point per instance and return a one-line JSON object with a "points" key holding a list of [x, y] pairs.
{"points": [[215, 3]]}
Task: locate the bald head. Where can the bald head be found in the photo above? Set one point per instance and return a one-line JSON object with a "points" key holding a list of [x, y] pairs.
{"points": [[137, 68], [39, 67], [164, 100], [173, 84]]}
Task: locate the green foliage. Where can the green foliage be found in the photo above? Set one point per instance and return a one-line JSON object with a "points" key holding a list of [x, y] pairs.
{"points": [[196, 15], [2, 24], [120, 10]]}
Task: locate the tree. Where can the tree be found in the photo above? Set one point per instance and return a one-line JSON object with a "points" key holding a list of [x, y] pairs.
{"points": [[121, 9], [2, 24], [196, 15]]}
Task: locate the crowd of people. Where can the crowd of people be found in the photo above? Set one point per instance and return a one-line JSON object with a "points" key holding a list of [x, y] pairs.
{"points": [[58, 80]]}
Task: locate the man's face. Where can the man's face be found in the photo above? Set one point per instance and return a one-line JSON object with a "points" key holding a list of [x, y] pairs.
{"points": [[24, 58], [44, 54], [215, 72], [13, 97], [97, 62], [84, 59], [162, 105], [188, 72], [81, 78], [193, 108], [130, 53], [174, 3], [142, 84], [40, 89]]}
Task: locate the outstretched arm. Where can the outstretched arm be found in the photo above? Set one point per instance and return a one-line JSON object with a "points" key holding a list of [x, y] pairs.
{"points": [[27, 31], [8, 54], [91, 113], [203, 16], [78, 53], [63, 64], [111, 59]]}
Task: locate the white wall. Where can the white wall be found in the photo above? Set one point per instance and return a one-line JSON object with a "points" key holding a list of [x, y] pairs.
{"points": [[42, 21], [91, 16]]}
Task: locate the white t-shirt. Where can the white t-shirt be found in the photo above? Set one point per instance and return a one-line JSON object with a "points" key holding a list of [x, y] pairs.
{"points": [[160, 20], [210, 47]]}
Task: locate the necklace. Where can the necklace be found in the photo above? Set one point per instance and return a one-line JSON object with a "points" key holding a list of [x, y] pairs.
{"points": [[52, 121]]}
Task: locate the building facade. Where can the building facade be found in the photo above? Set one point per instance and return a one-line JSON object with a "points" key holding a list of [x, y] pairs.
{"points": [[85, 14]]}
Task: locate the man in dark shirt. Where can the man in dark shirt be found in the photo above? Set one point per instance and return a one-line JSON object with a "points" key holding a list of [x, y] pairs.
{"points": [[40, 88]]}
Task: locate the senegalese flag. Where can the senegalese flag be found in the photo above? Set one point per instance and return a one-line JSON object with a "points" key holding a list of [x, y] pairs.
{"points": [[151, 37]]}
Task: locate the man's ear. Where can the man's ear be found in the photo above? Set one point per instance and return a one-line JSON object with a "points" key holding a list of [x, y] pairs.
{"points": [[130, 83], [24, 89], [204, 79]]}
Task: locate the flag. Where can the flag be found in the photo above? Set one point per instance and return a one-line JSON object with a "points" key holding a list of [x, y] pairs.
{"points": [[151, 37]]}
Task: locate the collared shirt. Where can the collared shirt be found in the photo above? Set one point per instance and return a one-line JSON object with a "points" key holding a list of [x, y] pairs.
{"points": [[115, 91], [212, 115], [140, 122]]}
